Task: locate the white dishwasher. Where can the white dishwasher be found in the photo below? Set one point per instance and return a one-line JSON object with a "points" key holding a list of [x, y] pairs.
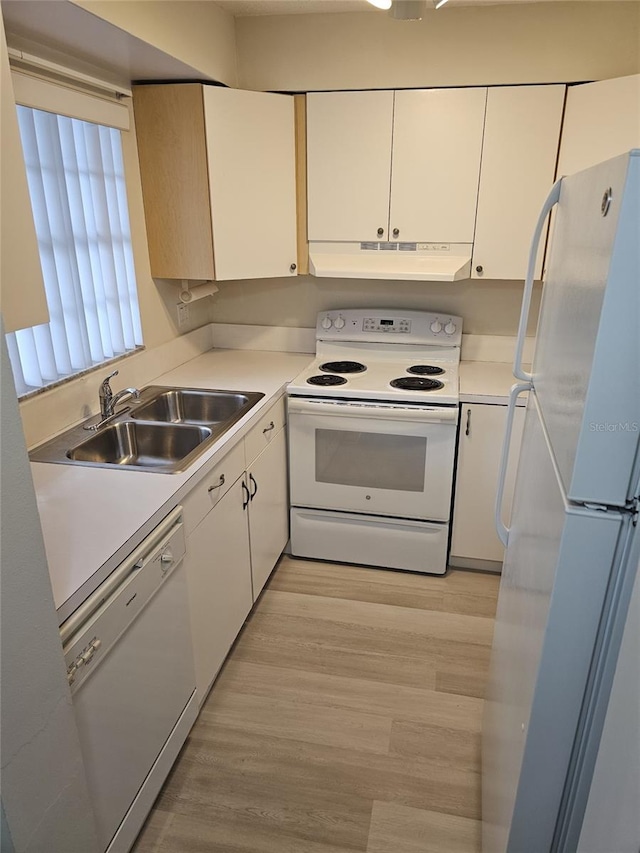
{"points": [[130, 667]]}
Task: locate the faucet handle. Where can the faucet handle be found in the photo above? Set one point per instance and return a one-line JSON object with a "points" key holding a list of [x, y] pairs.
{"points": [[105, 381]]}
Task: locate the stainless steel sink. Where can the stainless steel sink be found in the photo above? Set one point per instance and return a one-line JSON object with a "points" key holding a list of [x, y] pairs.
{"points": [[146, 445], [164, 431], [195, 406]]}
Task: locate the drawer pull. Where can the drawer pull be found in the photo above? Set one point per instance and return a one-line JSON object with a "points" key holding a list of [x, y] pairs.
{"points": [[218, 484], [269, 428]]}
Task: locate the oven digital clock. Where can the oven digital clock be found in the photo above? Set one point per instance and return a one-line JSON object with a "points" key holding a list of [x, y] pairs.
{"points": [[370, 324]]}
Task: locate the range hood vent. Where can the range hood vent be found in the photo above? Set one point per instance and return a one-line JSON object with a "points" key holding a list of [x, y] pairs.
{"points": [[394, 261]]}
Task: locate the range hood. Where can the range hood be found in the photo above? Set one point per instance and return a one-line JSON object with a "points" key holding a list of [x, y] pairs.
{"points": [[394, 261]]}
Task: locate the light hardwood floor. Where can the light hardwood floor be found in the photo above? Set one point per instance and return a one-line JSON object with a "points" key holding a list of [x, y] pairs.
{"points": [[347, 718]]}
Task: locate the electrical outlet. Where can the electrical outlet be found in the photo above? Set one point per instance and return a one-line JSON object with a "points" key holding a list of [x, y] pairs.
{"points": [[183, 314]]}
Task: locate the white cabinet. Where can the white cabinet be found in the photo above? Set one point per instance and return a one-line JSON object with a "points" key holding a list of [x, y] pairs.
{"points": [[349, 165], [385, 166], [519, 154], [219, 581], [23, 297], [437, 145], [218, 180], [237, 524], [268, 510], [601, 121], [474, 542]]}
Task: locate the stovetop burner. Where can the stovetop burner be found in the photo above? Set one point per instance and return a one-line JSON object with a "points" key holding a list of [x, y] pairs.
{"points": [[342, 367], [326, 379], [425, 370], [416, 383]]}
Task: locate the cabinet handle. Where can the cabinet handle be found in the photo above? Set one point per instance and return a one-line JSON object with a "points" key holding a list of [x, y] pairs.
{"points": [[293, 268], [247, 495], [269, 428], [468, 429], [255, 485], [380, 232], [396, 232], [479, 269], [217, 485]]}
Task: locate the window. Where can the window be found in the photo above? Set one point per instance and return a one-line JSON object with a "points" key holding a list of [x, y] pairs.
{"points": [[76, 182]]}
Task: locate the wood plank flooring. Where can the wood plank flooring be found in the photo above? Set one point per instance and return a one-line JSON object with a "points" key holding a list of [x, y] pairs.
{"points": [[347, 718]]}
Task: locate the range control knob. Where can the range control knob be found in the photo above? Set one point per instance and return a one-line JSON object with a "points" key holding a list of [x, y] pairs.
{"points": [[339, 322], [326, 323], [436, 327], [450, 328]]}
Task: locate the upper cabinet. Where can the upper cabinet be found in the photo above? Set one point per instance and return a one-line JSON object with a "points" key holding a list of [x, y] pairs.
{"points": [[437, 146], [349, 165], [519, 154], [385, 166], [23, 297], [218, 179], [601, 121]]}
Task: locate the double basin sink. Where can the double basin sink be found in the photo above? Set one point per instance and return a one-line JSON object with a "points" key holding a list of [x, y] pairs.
{"points": [[164, 431]]}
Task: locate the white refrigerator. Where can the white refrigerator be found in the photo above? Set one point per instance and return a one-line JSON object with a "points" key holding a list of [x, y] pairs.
{"points": [[561, 728]]}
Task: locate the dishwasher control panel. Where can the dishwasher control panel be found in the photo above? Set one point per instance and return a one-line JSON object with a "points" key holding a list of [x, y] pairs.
{"points": [[98, 624]]}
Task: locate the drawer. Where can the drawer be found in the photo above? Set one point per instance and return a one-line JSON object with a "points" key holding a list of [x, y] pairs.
{"points": [[265, 431], [212, 487]]}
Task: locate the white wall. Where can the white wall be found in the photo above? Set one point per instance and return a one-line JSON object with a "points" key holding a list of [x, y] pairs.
{"points": [[194, 31], [488, 307], [454, 46], [43, 781]]}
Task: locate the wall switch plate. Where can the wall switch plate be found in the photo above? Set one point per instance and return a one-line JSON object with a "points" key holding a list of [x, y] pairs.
{"points": [[183, 314]]}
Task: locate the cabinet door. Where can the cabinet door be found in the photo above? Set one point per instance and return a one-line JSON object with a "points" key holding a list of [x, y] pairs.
{"points": [[437, 142], [348, 165], [219, 579], [23, 298], [268, 510], [521, 136], [601, 121], [251, 158], [479, 448]]}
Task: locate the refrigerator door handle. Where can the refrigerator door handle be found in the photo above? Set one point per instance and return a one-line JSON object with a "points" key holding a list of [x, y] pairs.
{"points": [[550, 201], [516, 390]]}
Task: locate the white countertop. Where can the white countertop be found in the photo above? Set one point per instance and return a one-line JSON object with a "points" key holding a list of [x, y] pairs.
{"points": [[487, 382], [92, 518]]}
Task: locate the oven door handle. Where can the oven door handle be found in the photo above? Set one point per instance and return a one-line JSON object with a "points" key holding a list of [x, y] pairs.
{"points": [[377, 411]]}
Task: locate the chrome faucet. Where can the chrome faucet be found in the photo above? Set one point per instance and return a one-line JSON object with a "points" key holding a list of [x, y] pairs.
{"points": [[109, 400]]}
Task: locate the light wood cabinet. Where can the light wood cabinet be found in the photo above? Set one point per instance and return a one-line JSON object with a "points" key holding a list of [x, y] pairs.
{"points": [[394, 166], [24, 302], [218, 180], [237, 525], [519, 154], [474, 541]]}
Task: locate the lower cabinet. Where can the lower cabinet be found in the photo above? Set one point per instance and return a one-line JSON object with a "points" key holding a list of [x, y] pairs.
{"points": [[237, 525], [219, 578], [474, 541], [268, 509]]}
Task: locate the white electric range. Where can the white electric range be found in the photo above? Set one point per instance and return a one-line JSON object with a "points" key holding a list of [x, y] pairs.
{"points": [[372, 436]]}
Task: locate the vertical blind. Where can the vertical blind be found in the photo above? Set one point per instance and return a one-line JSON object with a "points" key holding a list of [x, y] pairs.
{"points": [[76, 182]]}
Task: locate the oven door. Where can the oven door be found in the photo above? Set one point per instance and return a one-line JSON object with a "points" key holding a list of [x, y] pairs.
{"points": [[379, 458]]}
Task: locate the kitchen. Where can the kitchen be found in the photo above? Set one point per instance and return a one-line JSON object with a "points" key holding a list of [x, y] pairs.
{"points": [[488, 309]]}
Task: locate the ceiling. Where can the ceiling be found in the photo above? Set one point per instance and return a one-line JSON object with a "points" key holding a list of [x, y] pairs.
{"points": [[248, 8]]}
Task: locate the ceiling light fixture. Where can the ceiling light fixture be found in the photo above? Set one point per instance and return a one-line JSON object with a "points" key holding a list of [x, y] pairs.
{"points": [[380, 4], [441, 3], [408, 10]]}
